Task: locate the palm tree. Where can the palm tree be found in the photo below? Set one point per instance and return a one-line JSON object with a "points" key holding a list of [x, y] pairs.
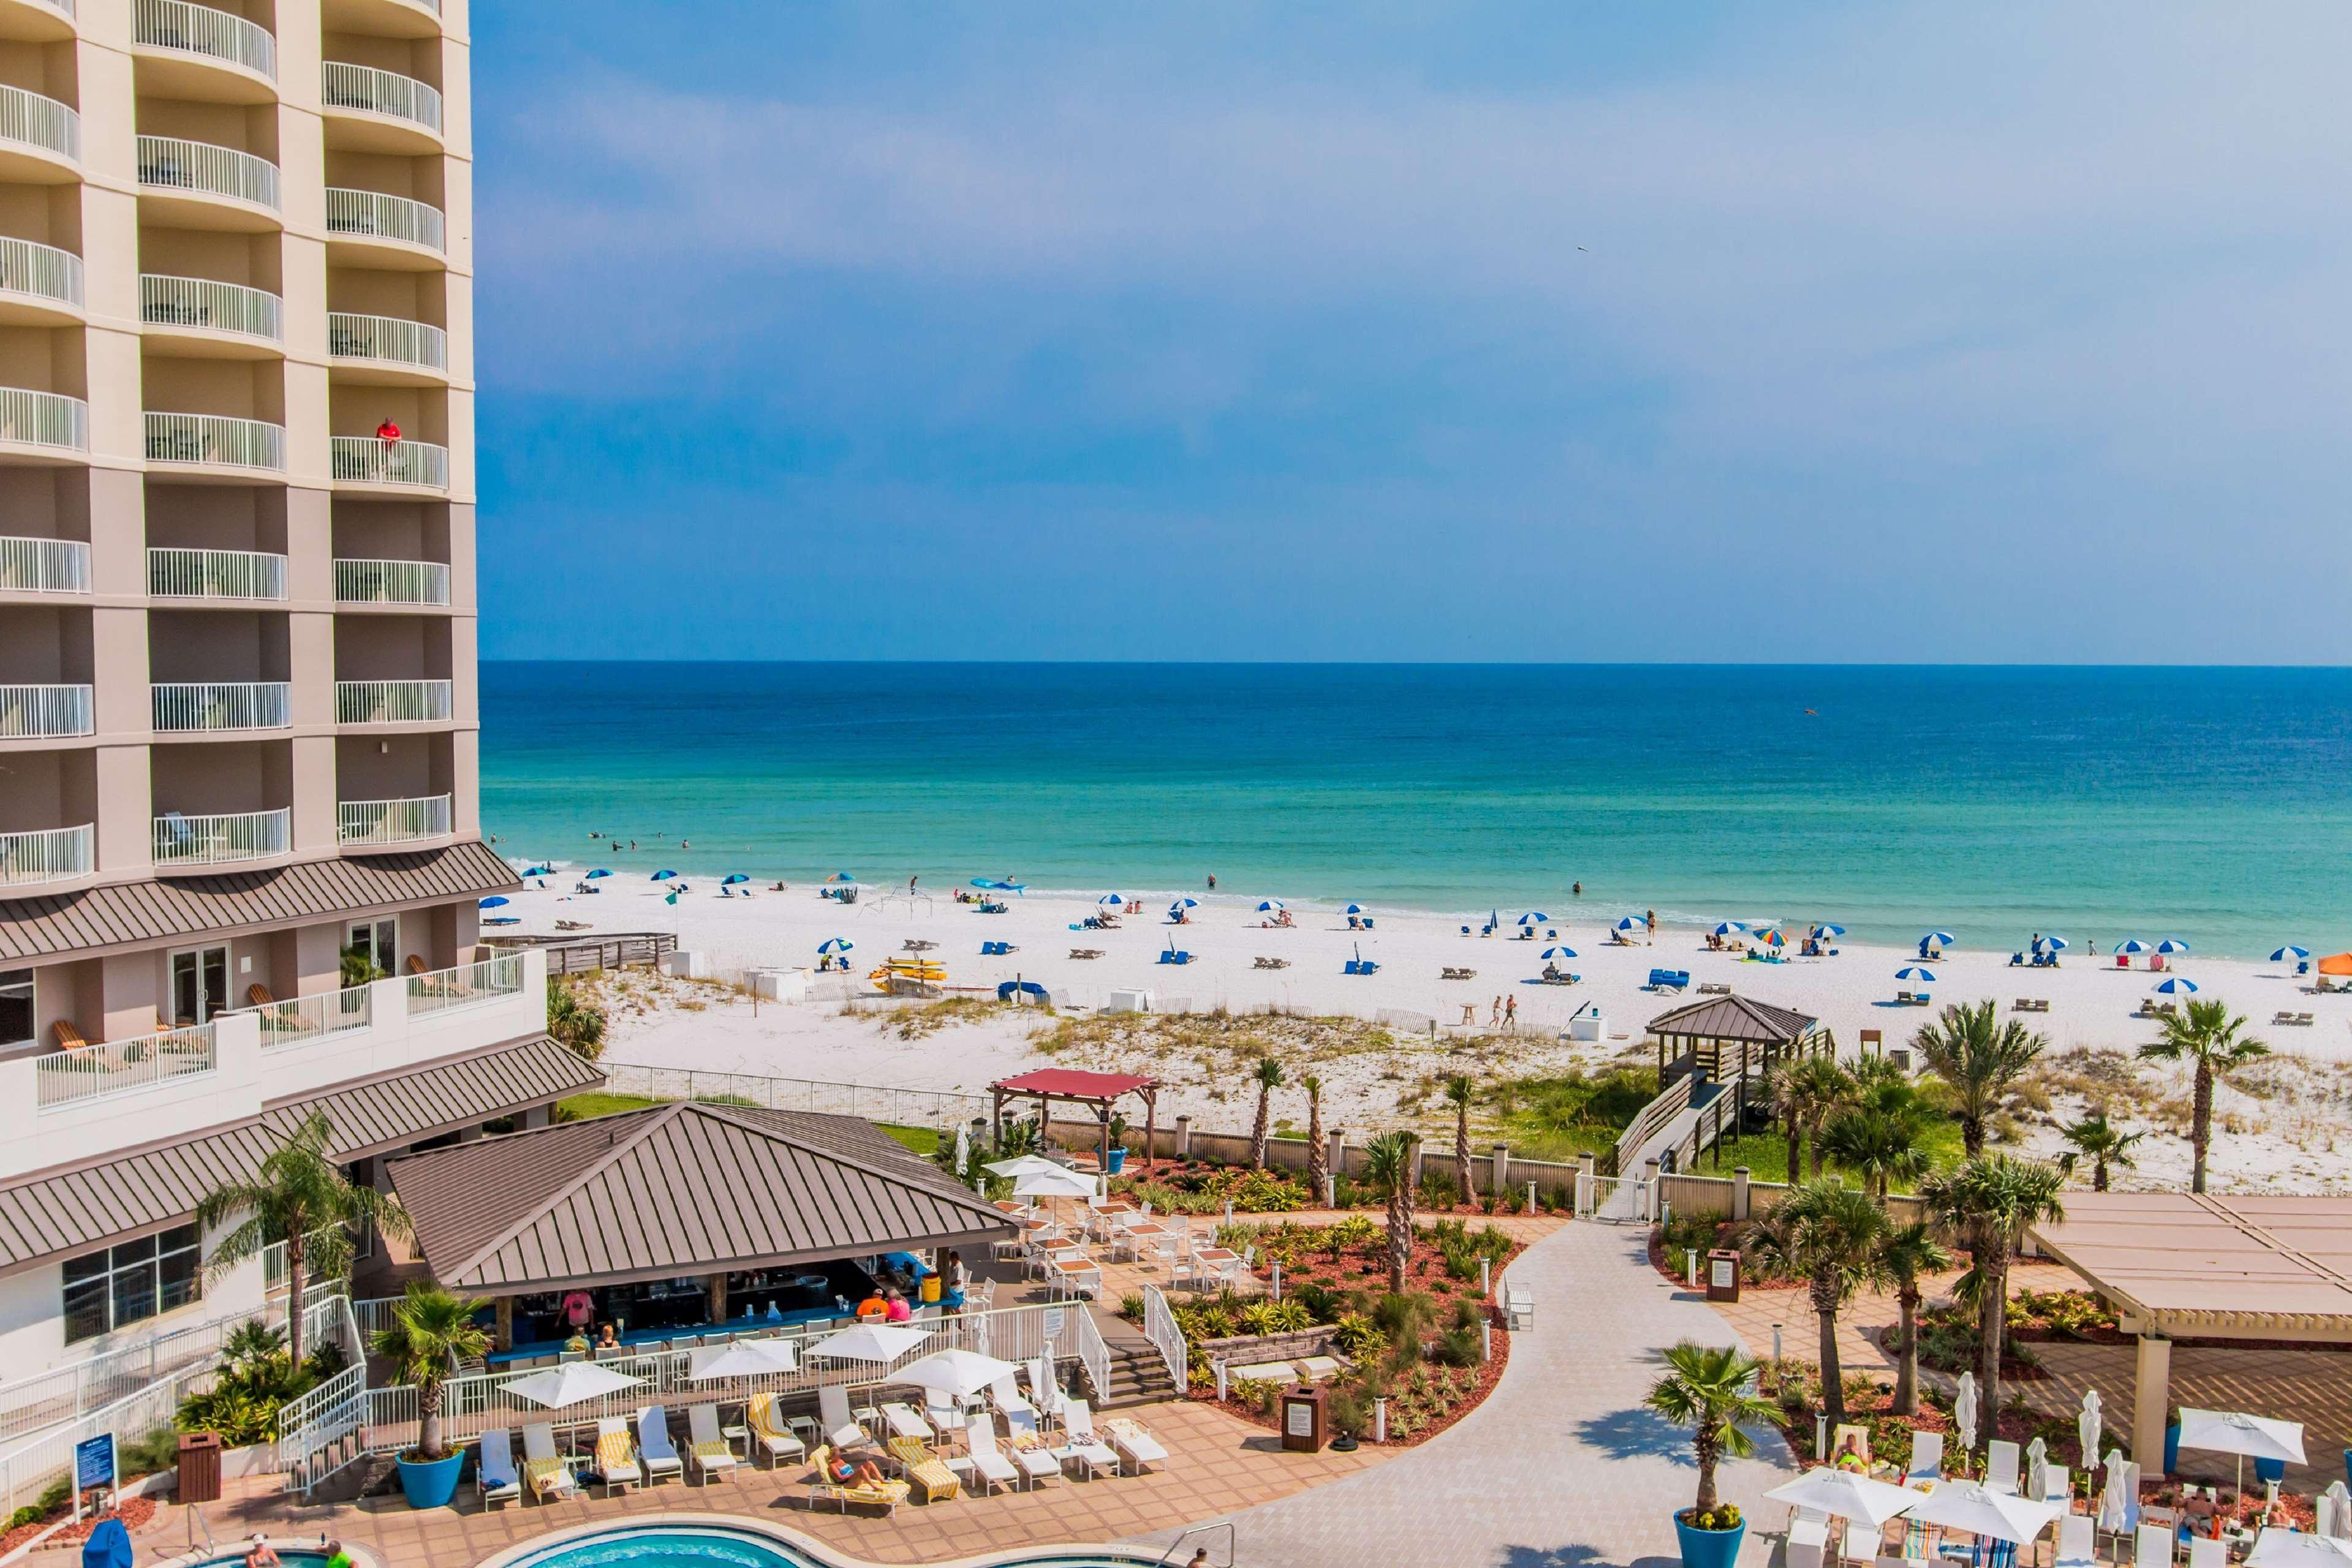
{"points": [[2102, 1143], [2206, 1034], [1458, 1094], [1269, 1079], [1979, 1058], [1989, 1202], [1905, 1253], [1710, 1388], [431, 1331], [1828, 1233], [1388, 1171], [296, 1192], [574, 1023], [1809, 1091], [1882, 1138], [1318, 1153]]}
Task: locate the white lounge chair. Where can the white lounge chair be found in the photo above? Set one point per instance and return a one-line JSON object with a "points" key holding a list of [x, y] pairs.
{"points": [[656, 1454], [2204, 1552], [1926, 1458], [992, 1468], [706, 1446], [1809, 1536], [842, 1430], [2078, 1545], [544, 1473], [1134, 1443], [1861, 1543], [769, 1434], [2000, 1467], [2152, 1546], [1094, 1456], [617, 1455], [494, 1473], [944, 1413], [1016, 1410]]}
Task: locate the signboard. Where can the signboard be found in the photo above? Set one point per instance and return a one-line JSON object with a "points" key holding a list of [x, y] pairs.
{"points": [[1301, 1419], [1723, 1273], [1053, 1323], [93, 1467]]}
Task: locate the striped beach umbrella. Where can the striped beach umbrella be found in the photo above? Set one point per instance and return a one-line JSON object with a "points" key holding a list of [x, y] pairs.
{"points": [[2131, 944], [1559, 953], [662, 875], [1271, 906], [1535, 917], [1940, 939], [1633, 922], [1353, 909], [2172, 945], [835, 945], [1771, 936], [2054, 944], [1914, 972], [1824, 931], [2289, 954], [1729, 927], [1185, 904], [1111, 900], [2176, 985]]}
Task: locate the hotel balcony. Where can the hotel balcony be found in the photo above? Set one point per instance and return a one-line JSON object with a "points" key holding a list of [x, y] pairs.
{"points": [[45, 712], [40, 138], [194, 708], [364, 463], [217, 444], [43, 425], [210, 320], [173, 573], [387, 702], [370, 110], [230, 839], [383, 18], [403, 582], [367, 823], [51, 566], [123, 1066], [386, 349], [367, 228], [41, 285], [45, 855], [195, 52], [40, 21], [196, 186]]}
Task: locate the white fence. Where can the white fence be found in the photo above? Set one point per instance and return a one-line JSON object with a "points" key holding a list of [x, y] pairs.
{"points": [[367, 459], [223, 704], [201, 30], [41, 121], [346, 86], [875, 1103], [372, 214], [391, 582], [42, 713], [44, 418], [27, 1469], [215, 306], [469, 984], [44, 565], [389, 337], [41, 271], [1159, 1326], [391, 702], [215, 438], [88, 1072], [177, 573], [170, 162], [305, 1020], [219, 841], [391, 822], [44, 855]]}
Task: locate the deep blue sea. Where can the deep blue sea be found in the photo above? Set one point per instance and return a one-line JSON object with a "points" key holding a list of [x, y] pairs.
{"points": [[2214, 804]]}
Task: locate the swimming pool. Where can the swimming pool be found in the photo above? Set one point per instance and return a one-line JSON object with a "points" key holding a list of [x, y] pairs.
{"points": [[667, 1545]]}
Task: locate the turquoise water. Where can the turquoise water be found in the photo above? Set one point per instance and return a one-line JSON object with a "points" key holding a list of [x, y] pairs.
{"points": [[659, 1546], [2214, 805]]}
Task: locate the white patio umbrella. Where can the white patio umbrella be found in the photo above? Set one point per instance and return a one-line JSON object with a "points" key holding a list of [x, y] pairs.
{"points": [[1964, 1411], [574, 1383], [1977, 1509], [1022, 1165], [1828, 1490], [1053, 1182], [2086, 1428], [882, 1343], [2247, 1436], [744, 1358], [958, 1373], [2292, 1549]]}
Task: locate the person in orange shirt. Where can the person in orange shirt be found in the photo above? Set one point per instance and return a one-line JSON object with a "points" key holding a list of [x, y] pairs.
{"points": [[873, 1309]]}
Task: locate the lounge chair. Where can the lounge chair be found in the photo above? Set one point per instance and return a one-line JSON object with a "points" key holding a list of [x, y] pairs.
{"points": [[769, 1433], [1095, 1456], [617, 1455], [842, 1430], [2078, 1545], [494, 1472], [67, 1037], [991, 1466], [544, 1473], [656, 1454], [1134, 1443], [1809, 1537], [886, 1495], [2000, 1467], [1926, 1458], [2152, 1546], [2204, 1552], [923, 1471], [705, 1447], [1018, 1412]]}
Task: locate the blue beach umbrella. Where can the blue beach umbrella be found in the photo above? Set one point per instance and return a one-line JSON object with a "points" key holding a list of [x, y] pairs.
{"points": [[1559, 953], [1633, 922], [1824, 931], [1269, 905], [1353, 909], [731, 878], [1111, 900], [2172, 945], [1186, 904], [1729, 927], [663, 875], [600, 871], [496, 901], [2054, 944], [540, 871], [1535, 917], [842, 876], [1914, 972], [2176, 985], [1939, 938], [835, 945], [2131, 944], [2290, 952]]}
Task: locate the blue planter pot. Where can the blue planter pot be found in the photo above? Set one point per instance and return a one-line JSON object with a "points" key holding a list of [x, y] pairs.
{"points": [[1118, 1162], [2172, 1449], [431, 1485], [1709, 1548]]}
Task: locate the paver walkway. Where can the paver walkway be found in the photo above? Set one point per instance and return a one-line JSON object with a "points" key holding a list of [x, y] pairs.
{"points": [[1561, 1466]]}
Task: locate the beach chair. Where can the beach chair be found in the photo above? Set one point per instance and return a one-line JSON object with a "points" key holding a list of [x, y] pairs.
{"points": [[1018, 1412], [616, 1463], [706, 1446], [2078, 1544], [886, 1495], [2152, 1546], [2204, 1552], [1809, 1536], [2000, 1467], [1094, 1456], [494, 1472], [923, 1472], [984, 1460], [1134, 1443], [1926, 1458], [544, 1473], [1861, 1541], [769, 1434], [656, 1454], [2303, 1020], [842, 1430]]}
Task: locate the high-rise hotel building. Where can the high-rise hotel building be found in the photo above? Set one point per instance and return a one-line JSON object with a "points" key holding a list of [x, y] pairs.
{"points": [[239, 853]]}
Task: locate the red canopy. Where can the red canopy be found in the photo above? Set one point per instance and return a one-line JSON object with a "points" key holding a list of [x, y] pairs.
{"points": [[1063, 1080]]}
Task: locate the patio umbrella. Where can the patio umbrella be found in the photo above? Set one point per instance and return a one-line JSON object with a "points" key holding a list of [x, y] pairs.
{"points": [[1055, 1183], [2275, 1548], [958, 1373], [600, 871], [1940, 939], [496, 901], [1025, 1164], [1771, 936], [1633, 922], [2130, 945], [1914, 972], [540, 871], [744, 1358], [1841, 1493], [1977, 1509], [1185, 904], [1111, 900], [2289, 954], [835, 945], [1729, 927], [2172, 945], [1533, 917], [882, 1343], [572, 1382], [1558, 953], [2234, 1432], [662, 875], [1824, 931], [2086, 1426], [2176, 985], [1964, 1410], [2054, 944], [1268, 907], [1353, 909], [731, 878]]}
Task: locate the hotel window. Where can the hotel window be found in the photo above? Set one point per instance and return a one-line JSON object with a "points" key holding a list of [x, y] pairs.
{"points": [[16, 1007], [377, 941], [119, 1286]]}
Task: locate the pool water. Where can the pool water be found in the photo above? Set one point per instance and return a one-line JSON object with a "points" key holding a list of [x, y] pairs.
{"points": [[674, 1546]]}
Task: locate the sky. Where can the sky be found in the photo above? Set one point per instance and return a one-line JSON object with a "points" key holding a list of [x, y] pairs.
{"points": [[1514, 331]]}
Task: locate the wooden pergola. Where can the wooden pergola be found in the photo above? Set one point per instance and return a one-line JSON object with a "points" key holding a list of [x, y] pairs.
{"points": [[1748, 1036], [1100, 1091]]}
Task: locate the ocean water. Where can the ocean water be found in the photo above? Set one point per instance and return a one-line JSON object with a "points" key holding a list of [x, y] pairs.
{"points": [[2209, 804]]}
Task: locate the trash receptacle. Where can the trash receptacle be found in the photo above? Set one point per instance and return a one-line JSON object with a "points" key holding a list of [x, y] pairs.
{"points": [[200, 1467]]}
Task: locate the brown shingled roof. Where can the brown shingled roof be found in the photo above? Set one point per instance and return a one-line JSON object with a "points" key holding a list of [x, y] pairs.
{"points": [[2213, 1264], [1734, 1018], [133, 913]]}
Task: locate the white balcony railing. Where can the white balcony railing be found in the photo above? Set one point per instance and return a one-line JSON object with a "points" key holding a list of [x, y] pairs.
{"points": [[371, 214], [366, 460], [38, 122], [221, 839], [43, 712], [44, 565], [468, 985], [215, 438], [346, 86], [172, 163], [216, 307], [389, 337], [393, 822], [201, 30], [302, 1021], [390, 701], [123, 1066], [44, 855], [44, 419], [175, 573], [375, 582], [40, 272], [181, 707]]}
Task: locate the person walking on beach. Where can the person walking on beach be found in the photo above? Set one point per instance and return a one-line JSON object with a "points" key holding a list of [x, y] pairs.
{"points": [[1511, 1012], [1495, 1014]]}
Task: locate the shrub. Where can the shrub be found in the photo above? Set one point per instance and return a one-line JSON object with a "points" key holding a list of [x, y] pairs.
{"points": [[1130, 1307], [1323, 1305], [1348, 1412], [1722, 1516], [1438, 1191], [1357, 1336], [1456, 1347], [1466, 1313]]}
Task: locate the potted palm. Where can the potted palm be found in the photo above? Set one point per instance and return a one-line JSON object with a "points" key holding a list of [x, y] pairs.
{"points": [[1711, 1389], [431, 1330], [1115, 1146]]}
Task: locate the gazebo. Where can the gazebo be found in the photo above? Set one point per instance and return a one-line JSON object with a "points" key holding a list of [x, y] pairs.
{"points": [[1750, 1035], [1100, 1091]]}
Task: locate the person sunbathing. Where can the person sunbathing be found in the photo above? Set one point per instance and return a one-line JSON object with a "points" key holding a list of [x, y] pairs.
{"points": [[852, 1470]]}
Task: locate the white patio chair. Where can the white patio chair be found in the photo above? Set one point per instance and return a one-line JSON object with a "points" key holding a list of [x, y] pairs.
{"points": [[2078, 1544], [617, 1455], [2152, 1546], [1926, 1458], [2000, 1467], [842, 1429], [544, 1471], [706, 1446], [984, 1460], [656, 1452], [2204, 1552], [1095, 1456], [494, 1474]]}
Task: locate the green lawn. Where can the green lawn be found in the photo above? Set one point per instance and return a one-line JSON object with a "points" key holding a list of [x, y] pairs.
{"points": [[923, 1141], [1766, 1155]]}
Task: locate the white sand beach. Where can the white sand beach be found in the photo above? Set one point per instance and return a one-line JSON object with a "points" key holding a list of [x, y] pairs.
{"points": [[2287, 1123]]}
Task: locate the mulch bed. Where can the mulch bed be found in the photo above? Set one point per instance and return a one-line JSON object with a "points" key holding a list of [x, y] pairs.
{"points": [[1489, 1373], [136, 1513], [1671, 1270]]}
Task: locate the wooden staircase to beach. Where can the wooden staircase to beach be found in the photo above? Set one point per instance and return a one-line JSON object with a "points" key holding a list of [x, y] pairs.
{"points": [[1138, 1375]]}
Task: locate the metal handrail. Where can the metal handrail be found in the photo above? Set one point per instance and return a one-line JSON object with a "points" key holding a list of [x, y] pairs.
{"points": [[173, 572], [368, 460], [388, 338], [1190, 1530], [43, 712], [221, 839], [86, 1073], [343, 85], [165, 301], [391, 582], [392, 702], [394, 821], [176, 163], [372, 213], [183, 707], [201, 30], [42, 271], [302, 1021], [44, 565], [46, 854], [215, 438], [44, 122], [44, 419]]}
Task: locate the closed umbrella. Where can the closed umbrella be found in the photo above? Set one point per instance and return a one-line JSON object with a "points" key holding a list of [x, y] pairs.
{"points": [[1981, 1511], [2117, 1497], [2340, 1524], [962, 1151], [2037, 1468], [744, 1358], [1845, 1495], [1964, 1411], [879, 1342], [2247, 1436], [958, 1373], [2086, 1426]]}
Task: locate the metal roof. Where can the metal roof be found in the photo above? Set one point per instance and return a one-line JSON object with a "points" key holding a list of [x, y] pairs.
{"points": [[132, 1193], [1735, 1017], [131, 913], [2213, 1264], [674, 1190]]}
